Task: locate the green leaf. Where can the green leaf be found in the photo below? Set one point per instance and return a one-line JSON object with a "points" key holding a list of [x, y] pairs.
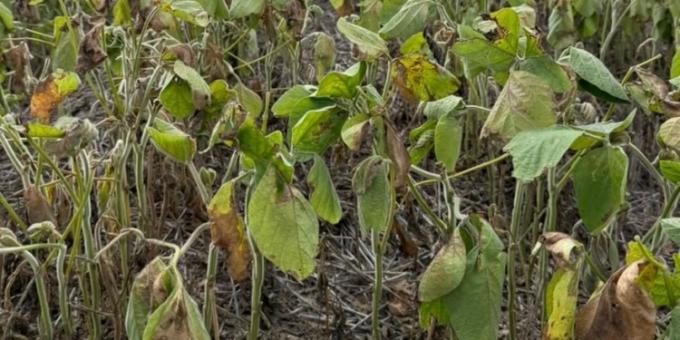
{"points": [[594, 76], [67, 82], [190, 11], [668, 133], [438, 108], [561, 296], [283, 225], [121, 13], [535, 150], [525, 103], [434, 309], [673, 329], [172, 141], [253, 143], [250, 100], [548, 70], [176, 98], [670, 170], [369, 43], [342, 84], [422, 141], [65, 53], [374, 194], [323, 197], [353, 130], [607, 128], [220, 94], [671, 227], [561, 27], [418, 77], [410, 19], [474, 307], [675, 64], [317, 130], [244, 8], [448, 137], [478, 54], [192, 77], [38, 130], [600, 185], [445, 272], [6, 17]]}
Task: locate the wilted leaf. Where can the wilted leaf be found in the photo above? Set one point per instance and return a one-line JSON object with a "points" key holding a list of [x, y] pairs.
{"points": [[561, 27], [354, 129], [369, 43], [65, 50], [324, 55], [410, 19], [189, 11], [398, 154], [91, 52], [172, 142], [200, 89], [670, 170], [621, 311], [419, 78], [445, 272], [560, 246], [253, 143], [668, 133], [474, 307], [374, 194], [227, 231], [448, 137], [438, 108], [671, 227], [297, 100], [283, 225], [52, 91], [37, 208], [594, 76], [177, 318], [145, 296], [561, 295], [421, 140], [608, 128], [600, 185], [38, 130], [323, 197], [478, 54], [250, 100], [525, 103], [78, 133], [533, 151]]}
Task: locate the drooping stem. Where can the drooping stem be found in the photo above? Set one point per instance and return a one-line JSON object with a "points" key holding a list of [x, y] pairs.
{"points": [[517, 208]]}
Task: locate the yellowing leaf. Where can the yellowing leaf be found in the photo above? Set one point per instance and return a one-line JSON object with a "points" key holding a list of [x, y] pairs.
{"points": [[52, 91], [561, 296], [227, 231], [419, 78]]}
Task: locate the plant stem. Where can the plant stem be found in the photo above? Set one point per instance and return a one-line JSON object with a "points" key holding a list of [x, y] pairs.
{"points": [[518, 206], [377, 284], [256, 294], [434, 178], [209, 307]]}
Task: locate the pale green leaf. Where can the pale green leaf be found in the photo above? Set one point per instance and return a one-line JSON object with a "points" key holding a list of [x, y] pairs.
{"points": [[668, 133], [176, 98], [283, 225], [548, 70], [244, 8], [342, 84], [353, 130], [317, 130], [172, 142], [410, 19], [448, 137], [250, 100], [192, 77], [594, 76], [525, 103], [441, 107], [534, 151], [671, 227], [374, 194], [445, 272], [368, 42], [38, 130], [600, 185], [190, 11]]}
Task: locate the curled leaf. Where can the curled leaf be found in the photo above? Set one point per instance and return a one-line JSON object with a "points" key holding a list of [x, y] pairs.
{"points": [[52, 91], [445, 272]]}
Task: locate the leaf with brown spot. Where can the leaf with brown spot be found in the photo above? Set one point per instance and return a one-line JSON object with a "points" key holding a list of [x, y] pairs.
{"points": [[52, 91], [560, 246], [398, 154], [227, 231], [17, 57], [91, 53], [622, 310]]}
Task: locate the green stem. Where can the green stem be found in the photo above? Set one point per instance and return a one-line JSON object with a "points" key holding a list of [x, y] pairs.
{"points": [[518, 206], [209, 307], [256, 297]]}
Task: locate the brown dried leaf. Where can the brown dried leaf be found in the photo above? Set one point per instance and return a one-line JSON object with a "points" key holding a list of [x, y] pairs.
{"points": [[560, 246], [182, 52], [398, 154], [17, 57], [91, 53], [228, 233], [622, 310], [37, 207], [45, 98]]}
